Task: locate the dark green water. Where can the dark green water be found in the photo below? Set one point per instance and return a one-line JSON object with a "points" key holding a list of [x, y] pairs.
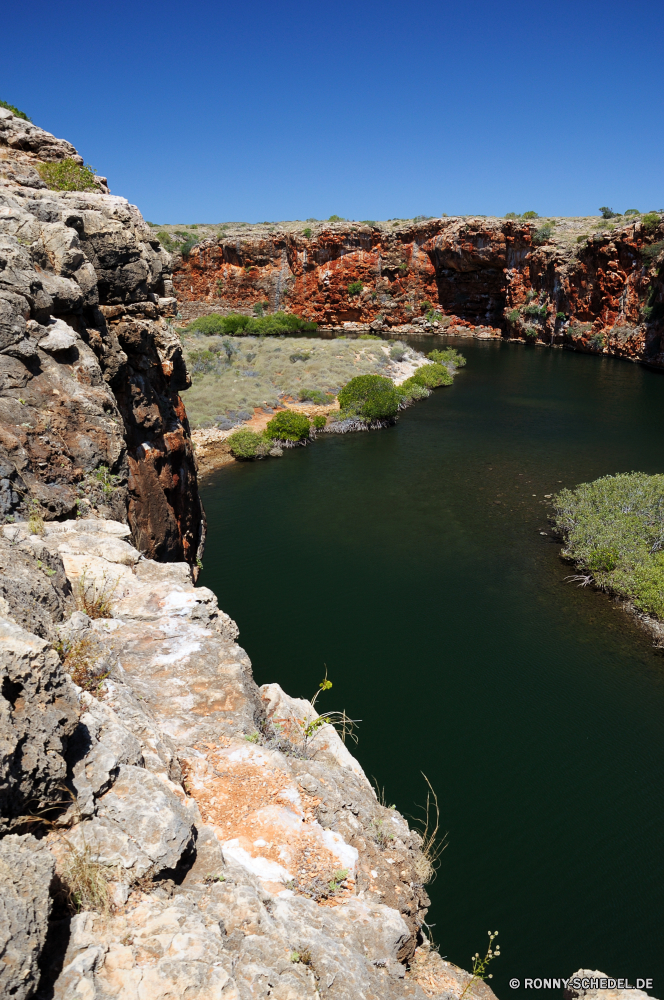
{"points": [[535, 708]]}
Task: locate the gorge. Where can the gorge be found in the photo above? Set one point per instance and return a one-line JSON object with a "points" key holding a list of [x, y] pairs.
{"points": [[170, 828], [518, 278]]}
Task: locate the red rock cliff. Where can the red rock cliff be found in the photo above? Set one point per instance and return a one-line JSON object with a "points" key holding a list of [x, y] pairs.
{"points": [[525, 279]]}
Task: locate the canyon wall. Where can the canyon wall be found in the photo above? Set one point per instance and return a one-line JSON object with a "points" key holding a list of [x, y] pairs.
{"points": [[90, 370], [597, 292]]}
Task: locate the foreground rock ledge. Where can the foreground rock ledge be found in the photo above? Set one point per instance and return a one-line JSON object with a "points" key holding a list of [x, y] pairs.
{"points": [[216, 851]]}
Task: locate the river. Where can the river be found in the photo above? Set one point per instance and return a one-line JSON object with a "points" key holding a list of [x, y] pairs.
{"points": [[418, 564]]}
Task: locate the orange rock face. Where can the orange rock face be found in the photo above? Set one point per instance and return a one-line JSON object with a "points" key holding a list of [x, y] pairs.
{"points": [[604, 295]]}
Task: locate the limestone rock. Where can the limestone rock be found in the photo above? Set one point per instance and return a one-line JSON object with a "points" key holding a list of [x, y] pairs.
{"points": [[38, 712], [599, 986], [90, 367], [26, 870]]}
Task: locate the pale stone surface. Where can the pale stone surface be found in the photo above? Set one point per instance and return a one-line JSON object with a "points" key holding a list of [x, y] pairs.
{"points": [[601, 986], [26, 869]]}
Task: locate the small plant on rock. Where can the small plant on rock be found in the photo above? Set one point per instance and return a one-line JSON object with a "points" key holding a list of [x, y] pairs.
{"points": [[35, 519], [68, 175], [84, 881], [355, 288], [94, 598], [650, 221], [480, 965], [15, 111]]}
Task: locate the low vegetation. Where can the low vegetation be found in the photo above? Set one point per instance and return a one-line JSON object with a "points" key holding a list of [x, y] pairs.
{"points": [[68, 175], [288, 425], [15, 111], [245, 444], [614, 534], [233, 375], [371, 397], [277, 324]]}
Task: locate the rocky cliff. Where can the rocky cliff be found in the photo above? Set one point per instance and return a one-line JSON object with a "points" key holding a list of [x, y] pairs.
{"points": [[551, 281], [170, 828], [90, 370]]}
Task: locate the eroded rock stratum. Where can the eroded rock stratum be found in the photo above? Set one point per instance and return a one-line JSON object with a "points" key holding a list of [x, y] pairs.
{"points": [[90, 370], [530, 280]]}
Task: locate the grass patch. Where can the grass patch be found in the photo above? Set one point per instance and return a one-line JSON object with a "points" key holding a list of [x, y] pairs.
{"points": [[614, 533], [355, 288], [84, 882], [82, 659], [68, 175], [95, 599], [260, 373]]}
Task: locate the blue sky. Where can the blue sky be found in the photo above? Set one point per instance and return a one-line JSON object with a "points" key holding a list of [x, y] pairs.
{"points": [[210, 112]]}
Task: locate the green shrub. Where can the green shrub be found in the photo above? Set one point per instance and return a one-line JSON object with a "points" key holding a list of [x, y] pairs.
{"points": [[336, 218], [614, 531], [650, 221], [236, 324], [513, 316], [543, 234], [651, 253], [186, 247], [530, 215], [210, 325], [608, 213], [68, 175], [306, 232], [532, 332], [368, 222], [202, 362], [355, 288], [426, 306], [536, 309], [511, 215], [316, 396], [369, 336], [166, 241], [448, 356], [319, 421], [411, 390], [560, 316], [371, 396], [431, 376], [289, 426], [434, 316], [632, 211], [15, 111], [398, 352], [597, 341], [245, 444], [581, 239]]}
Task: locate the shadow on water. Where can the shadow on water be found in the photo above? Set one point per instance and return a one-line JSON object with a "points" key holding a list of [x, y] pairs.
{"points": [[412, 562]]}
